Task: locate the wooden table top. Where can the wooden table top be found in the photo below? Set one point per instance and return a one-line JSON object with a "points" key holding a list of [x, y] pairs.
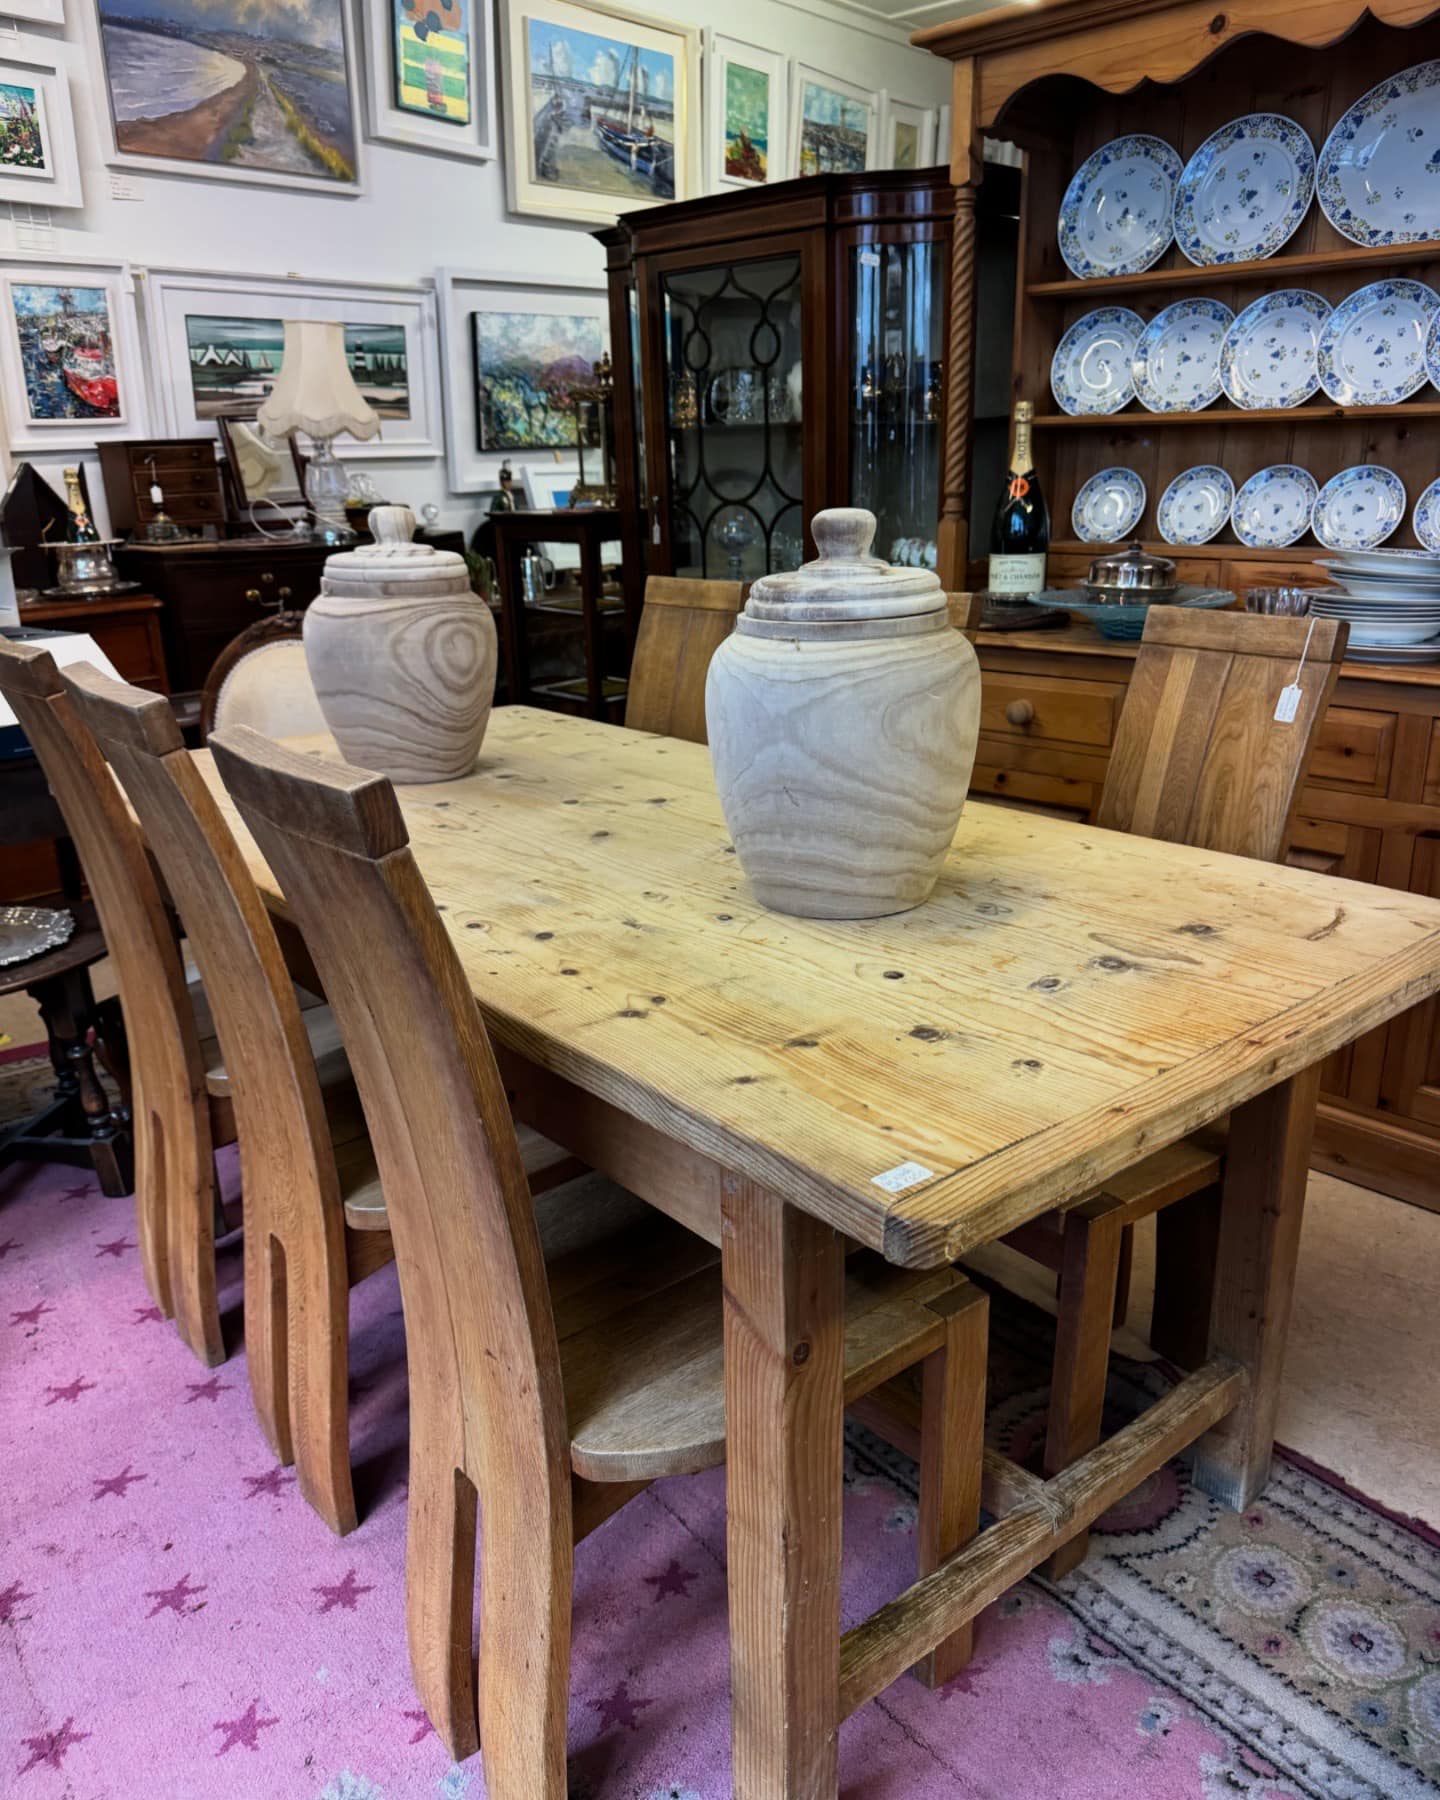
{"points": [[1069, 1000]]}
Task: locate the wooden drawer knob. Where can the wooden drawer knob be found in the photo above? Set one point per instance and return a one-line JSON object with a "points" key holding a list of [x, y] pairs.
{"points": [[1020, 713]]}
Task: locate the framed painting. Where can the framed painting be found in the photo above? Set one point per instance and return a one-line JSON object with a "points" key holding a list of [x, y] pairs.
{"points": [[747, 128], [39, 164], [835, 127], [36, 12], [259, 91], [70, 368], [513, 347], [907, 134], [601, 109], [217, 343], [429, 75]]}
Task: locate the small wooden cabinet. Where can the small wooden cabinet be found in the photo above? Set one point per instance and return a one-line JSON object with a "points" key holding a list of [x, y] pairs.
{"points": [[184, 469]]}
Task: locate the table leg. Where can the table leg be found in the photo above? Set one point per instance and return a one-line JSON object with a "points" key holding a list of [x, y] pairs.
{"points": [[784, 1275], [1261, 1203]]}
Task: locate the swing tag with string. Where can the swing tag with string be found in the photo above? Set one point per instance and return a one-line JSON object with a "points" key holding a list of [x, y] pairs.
{"points": [[1288, 704]]}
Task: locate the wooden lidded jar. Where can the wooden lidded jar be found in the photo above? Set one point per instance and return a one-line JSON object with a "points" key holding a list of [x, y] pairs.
{"points": [[842, 715], [402, 653]]}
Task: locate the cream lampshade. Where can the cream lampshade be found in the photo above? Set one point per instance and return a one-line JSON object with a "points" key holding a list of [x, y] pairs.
{"points": [[316, 393]]}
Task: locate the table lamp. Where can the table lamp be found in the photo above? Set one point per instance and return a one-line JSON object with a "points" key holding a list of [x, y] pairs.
{"points": [[316, 393]]}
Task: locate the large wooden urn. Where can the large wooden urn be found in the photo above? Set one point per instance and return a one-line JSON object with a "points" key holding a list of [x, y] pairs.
{"points": [[842, 716], [402, 653]]}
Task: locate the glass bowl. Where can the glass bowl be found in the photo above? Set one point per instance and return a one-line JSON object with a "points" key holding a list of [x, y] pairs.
{"points": [[1126, 620]]}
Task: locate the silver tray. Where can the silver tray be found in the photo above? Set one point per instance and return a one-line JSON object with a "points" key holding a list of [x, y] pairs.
{"points": [[27, 931]]}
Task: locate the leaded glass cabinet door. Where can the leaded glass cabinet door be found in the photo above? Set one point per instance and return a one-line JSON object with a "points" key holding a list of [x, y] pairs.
{"points": [[734, 412]]}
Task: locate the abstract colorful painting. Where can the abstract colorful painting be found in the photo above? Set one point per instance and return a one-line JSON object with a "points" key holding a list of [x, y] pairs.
{"points": [[432, 59], [834, 130], [67, 354], [24, 149], [602, 113], [240, 87], [747, 122], [234, 362], [527, 366]]}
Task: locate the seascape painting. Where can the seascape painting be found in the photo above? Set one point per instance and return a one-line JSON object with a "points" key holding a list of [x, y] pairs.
{"points": [[240, 86], [67, 353], [834, 131], [527, 366], [432, 58], [234, 362], [747, 122], [602, 113], [23, 147]]}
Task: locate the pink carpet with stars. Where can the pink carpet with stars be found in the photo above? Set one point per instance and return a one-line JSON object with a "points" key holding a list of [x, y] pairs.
{"points": [[175, 1622]]}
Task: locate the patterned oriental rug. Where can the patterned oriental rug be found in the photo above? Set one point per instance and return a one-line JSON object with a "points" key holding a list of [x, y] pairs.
{"points": [[175, 1623]]}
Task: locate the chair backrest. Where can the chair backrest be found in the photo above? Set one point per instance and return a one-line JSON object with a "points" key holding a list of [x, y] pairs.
{"points": [[171, 1111], [1200, 757], [285, 1147], [480, 1332], [261, 679], [683, 624]]}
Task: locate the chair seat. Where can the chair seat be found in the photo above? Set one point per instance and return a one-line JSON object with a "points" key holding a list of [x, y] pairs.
{"points": [[360, 1180], [320, 1027]]}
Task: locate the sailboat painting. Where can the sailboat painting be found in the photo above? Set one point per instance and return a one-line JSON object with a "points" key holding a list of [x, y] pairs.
{"points": [[234, 362], [67, 355]]}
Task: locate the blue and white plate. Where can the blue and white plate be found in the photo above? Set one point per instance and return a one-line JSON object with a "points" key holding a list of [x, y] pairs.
{"points": [[1115, 217], [1427, 517], [1379, 175], [1177, 361], [1196, 505], [1245, 190], [1270, 356], [1090, 370], [1372, 350], [1359, 508], [1432, 350], [1273, 508], [1108, 507]]}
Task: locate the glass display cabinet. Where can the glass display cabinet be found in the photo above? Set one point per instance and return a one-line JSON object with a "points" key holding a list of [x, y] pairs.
{"points": [[778, 351]]}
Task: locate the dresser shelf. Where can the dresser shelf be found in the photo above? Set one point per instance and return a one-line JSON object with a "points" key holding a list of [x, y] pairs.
{"points": [[1216, 416], [1273, 271]]}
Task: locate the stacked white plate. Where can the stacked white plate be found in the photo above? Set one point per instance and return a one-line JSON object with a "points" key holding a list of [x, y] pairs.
{"points": [[1391, 599]]}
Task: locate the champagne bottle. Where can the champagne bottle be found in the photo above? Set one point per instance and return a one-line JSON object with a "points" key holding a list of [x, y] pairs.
{"points": [[79, 528], [1020, 535]]}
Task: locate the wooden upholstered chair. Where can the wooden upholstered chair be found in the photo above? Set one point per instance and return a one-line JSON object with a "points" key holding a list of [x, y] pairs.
{"points": [[683, 624], [558, 1365], [261, 679], [314, 1214]]}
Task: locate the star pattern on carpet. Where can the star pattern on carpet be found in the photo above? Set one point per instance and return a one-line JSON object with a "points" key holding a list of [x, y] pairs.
{"points": [[272, 1482], [619, 1707], [148, 1315], [345, 1593], [116, 1484], [48, 1750], [674, 1580], [173, 1599], [80, 1192], [245, 1730], [423, 1727], [70, 1392], [31, 1315], [210, 1390], [12, 1599], [9, 1245], [116, 1247]]}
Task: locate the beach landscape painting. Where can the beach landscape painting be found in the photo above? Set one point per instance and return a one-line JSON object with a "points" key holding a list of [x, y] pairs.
{"points": [[527, 367], [747, 123], [24, 147], [256, 90], [835, 128], [67, 352], [234, 362], [432, 59]]}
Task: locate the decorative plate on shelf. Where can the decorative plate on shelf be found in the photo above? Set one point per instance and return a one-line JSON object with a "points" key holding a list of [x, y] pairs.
{"points": [[1398, 655], [27, 931], [1432, 350], [1273, 508], [1245, 190], [1126, 619], [1115, 217], [1270, 356], [1359, 508], [1379, 174], [1372, 350], [1427, 516], [1108, 507], [1177, 360], [1090, 370], [1389, 568], [1196, 505]]}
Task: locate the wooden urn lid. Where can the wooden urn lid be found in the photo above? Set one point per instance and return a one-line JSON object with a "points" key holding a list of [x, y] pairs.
{"points": [[393, 565], [845, 592]]}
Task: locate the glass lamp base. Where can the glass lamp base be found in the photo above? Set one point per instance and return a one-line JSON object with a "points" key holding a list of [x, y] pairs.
{"points": [[325, 489]]}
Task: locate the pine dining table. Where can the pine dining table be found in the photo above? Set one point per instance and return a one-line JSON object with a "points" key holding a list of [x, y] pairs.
{"points": [[1069, 1001]]}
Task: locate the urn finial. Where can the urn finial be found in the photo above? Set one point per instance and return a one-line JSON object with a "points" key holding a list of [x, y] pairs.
{"points": [[844, 533]]}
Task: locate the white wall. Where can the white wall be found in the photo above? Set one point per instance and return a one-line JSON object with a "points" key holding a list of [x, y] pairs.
{"points": [[420, 211]]}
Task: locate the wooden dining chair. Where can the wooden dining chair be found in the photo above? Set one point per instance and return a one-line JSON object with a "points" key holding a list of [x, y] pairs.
{"points": [[558, 1364], [314, 1213], [261, 679], [683, 624]]}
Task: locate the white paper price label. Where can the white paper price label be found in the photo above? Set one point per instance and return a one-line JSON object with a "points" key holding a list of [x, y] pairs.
{"points": [[903, 1175], [1288, 704]]}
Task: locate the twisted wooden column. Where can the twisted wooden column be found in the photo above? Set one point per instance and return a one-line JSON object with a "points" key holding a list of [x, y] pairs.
{"points": [[959, 393]]}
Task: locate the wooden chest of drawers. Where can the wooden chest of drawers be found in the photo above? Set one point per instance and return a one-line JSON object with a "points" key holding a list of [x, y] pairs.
{"points": [[1370, 811], [184, 468]]}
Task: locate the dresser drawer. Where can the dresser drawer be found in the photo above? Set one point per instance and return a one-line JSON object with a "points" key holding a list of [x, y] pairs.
{"points": [[1051, 708], [1431, 795], [1050, 793], [1354, 751]]}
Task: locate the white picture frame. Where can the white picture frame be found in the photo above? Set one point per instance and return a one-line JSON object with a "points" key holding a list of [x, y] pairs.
{"points": [[942, 133], [804, 77], [197, 169], [918, 123], [172, 296], [720, 53], [36, 12], [390, 123], [459, 294], [26, 62], [29, 435], [547, 485], [640, 33]]}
